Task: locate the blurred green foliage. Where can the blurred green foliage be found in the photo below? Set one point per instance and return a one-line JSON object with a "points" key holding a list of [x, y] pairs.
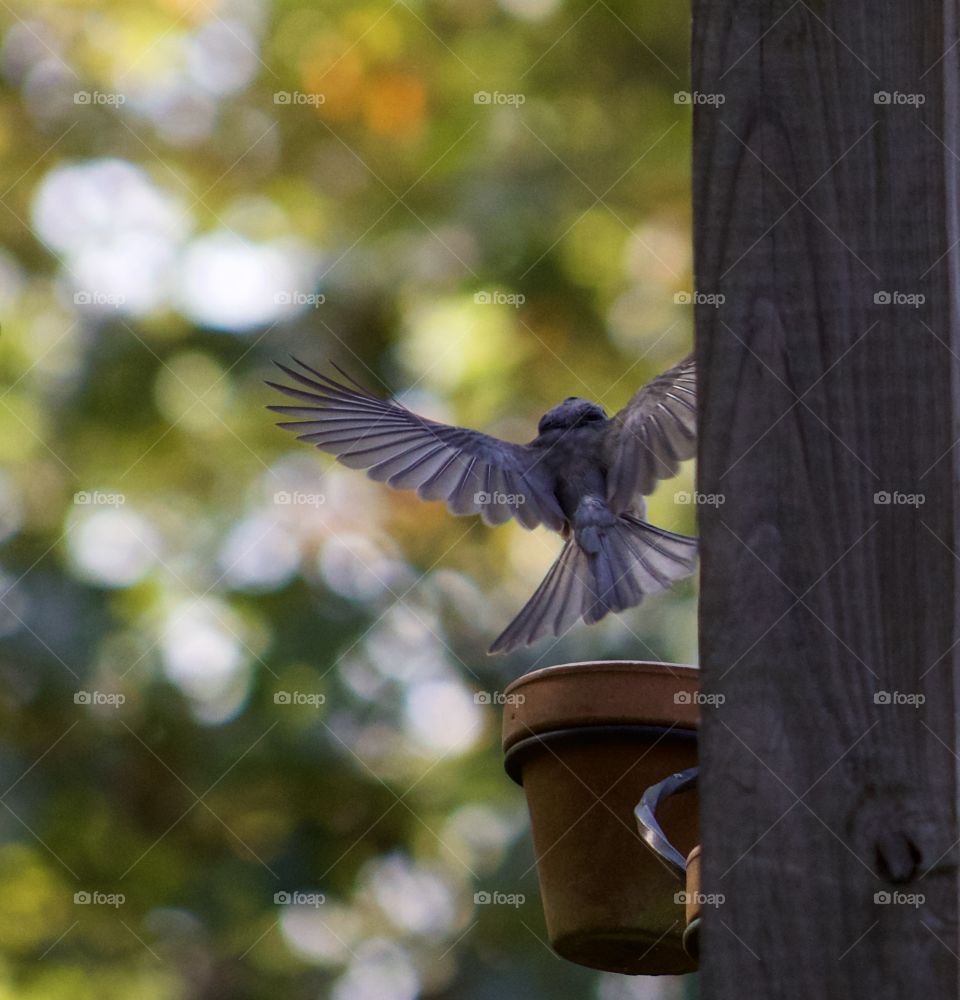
{"points": [[231, 669]]}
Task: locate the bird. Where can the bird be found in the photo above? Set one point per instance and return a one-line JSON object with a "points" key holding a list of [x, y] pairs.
{"points": [[584, 476]]}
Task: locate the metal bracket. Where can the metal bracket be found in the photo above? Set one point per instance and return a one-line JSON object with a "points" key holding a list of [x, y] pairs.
{"points": [[646, 814]]}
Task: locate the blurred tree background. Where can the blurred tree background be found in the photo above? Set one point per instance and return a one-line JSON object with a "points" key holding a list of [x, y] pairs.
{"points": [[249, 730]]}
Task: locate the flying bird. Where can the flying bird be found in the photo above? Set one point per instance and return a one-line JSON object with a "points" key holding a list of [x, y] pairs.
{"points": [[584, 476]]}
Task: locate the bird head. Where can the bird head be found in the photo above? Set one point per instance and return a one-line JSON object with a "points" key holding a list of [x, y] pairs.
{"points": [[572, 412]]}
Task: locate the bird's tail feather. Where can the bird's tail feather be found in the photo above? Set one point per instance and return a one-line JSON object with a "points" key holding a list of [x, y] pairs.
{"points": [[602, 568]]}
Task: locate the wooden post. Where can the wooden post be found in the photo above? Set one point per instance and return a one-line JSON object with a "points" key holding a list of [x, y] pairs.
{"points": [[826, 145]]}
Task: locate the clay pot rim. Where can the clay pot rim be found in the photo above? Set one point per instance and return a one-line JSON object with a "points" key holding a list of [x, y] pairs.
{"points": [[591, 734], [600, 693], [613, 666]]}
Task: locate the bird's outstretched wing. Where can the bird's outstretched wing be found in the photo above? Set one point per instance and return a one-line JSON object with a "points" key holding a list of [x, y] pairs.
{"points": [[651, 435], [473, 472]]}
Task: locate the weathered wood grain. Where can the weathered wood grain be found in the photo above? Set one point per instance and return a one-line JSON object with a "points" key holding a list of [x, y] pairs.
{"points": [[811, 201]]}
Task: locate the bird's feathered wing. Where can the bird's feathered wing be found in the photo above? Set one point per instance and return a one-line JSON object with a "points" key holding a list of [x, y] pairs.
{"points": [[651, 435], [473, 472]]}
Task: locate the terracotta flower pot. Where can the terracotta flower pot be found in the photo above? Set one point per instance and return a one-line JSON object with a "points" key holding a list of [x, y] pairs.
{"points": [[691, 936], [585, 740]]}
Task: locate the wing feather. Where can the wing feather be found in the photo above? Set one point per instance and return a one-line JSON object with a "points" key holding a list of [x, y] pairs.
{"points": [[473, 472], [651, 435]]}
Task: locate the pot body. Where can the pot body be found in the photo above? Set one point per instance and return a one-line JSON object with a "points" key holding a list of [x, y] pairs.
{"points": [[585, 740]]}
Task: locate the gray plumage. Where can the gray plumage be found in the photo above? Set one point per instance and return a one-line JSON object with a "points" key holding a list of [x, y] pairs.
{"points": [[583, 476]]}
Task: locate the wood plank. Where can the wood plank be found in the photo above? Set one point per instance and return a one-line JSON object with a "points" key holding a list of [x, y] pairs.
{"points": [[830, 376]]}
